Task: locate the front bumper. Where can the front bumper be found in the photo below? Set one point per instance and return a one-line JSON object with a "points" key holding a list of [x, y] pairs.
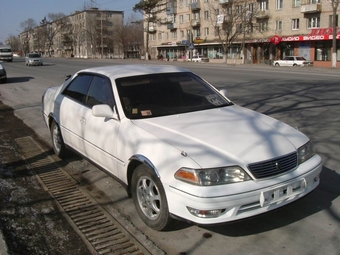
{"points": [[243, 205]]}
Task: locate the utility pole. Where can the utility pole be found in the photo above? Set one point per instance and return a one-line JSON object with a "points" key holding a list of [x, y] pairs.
{"points": [[335, 4]]}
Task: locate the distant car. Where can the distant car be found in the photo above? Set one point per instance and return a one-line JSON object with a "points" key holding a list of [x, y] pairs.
{"points": [[178, 145], [199, 59], [3, 74], [293, 61], [33, 59]]}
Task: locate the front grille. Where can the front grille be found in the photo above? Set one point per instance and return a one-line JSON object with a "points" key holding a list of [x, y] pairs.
{"points": [[273, 167]]}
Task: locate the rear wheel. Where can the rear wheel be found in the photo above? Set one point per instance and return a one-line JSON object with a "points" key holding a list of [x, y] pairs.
{"points": [[57, 141], [277, 64], [149, 198]]}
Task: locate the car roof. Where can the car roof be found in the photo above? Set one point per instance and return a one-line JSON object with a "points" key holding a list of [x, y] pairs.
{"points": [[119, 71]]}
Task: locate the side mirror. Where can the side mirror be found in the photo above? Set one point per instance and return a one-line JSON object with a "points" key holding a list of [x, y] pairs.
{"points": [[224, 93], [104, 110]]}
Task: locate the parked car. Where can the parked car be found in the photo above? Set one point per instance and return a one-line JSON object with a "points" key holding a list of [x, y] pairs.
{"points": [[199, 59], [293, 61], [3, 74], [180, 147], [33, 59]]}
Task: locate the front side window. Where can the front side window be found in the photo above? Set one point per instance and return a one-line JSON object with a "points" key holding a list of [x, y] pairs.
{"points": [[79, 87], [157, 95], [100, 92]]}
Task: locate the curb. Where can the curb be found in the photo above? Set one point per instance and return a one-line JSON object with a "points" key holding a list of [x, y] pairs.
{"points": [[3, 246]]}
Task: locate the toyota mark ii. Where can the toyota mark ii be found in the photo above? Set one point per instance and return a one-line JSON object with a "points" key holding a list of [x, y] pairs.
{"points": [[180, 147]]}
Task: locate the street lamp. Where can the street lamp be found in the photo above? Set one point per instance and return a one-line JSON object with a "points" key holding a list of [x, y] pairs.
{"points": [[335, 4]]}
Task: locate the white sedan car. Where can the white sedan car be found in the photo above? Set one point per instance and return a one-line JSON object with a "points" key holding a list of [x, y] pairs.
{"points": [[293, 61], [198, 59], [182, 149]]}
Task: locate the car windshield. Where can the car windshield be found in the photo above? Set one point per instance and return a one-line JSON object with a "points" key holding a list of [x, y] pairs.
{"points": [[34, 56], [166, 94]]}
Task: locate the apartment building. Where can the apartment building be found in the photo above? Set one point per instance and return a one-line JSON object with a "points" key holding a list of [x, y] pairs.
{"points": [[83, 34], [268, 30]]}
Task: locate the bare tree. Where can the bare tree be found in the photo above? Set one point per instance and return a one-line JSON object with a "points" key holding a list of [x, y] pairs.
{"points": [[233, 22], [27, 26], [150, 9], [52, 26]]}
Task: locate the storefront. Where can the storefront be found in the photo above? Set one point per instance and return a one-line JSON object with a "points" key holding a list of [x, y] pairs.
{"points": [[316, 46]]}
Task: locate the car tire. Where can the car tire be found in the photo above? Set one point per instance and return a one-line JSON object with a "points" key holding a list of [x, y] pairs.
{"points": [[277, 64], [295, 65], [58, 141], [149, 198]]}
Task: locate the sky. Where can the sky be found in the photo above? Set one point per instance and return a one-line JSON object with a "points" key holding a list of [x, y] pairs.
{"points": [[13, 12]]}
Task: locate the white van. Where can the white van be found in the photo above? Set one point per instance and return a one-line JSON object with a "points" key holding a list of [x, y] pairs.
{"points": [[6, 53]]}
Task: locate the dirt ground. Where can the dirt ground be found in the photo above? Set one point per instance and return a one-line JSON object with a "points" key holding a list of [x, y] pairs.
{"points": [[29, 218]]}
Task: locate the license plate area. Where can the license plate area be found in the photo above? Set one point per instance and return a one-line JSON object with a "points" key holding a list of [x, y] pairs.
{"points": [[282, 192]]}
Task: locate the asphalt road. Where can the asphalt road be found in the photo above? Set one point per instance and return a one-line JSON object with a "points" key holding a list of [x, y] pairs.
{"points": [[307, 98]]}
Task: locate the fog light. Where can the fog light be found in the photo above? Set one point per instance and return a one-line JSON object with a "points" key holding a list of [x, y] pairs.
{"points": [[206, 213]]}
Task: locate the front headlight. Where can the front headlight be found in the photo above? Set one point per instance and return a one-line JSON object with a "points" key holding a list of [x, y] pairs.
{"points": [[213, 176], [305, 152]]}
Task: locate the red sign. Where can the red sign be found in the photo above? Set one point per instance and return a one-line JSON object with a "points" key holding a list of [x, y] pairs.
{"points": [[276, 39], [316, 34]]}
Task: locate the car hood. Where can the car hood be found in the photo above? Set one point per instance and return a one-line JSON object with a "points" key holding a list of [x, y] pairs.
{"points": [[225, 136]]}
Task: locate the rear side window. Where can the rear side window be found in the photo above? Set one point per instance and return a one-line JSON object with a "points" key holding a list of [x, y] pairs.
{"points": [[79, 87]]}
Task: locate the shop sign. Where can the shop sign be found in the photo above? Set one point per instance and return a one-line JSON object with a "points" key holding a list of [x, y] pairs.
{"points": [[276, 39], [316, 34], [198, 40]]}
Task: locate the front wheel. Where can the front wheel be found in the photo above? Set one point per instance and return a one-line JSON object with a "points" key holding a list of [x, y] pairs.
{"points": [[57, 141], [149, 198], [277, 64]]}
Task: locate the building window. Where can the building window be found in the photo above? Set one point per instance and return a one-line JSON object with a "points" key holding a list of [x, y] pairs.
{"points": [[160, 36], [182, 34], [206, 31], [181, 3], [167, 36], [251, 7], [278, 25], [296, 3], [206, 14], [239, 9], [181, 19], [315, 1], [279, 4], [331, 20], [313, 22], [295, 24], [174, 35], [264, 5], [188, 18], [188, 2], [263, 25], [217, 31]]}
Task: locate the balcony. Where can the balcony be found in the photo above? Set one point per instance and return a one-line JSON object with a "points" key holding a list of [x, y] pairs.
{"points": [[262, 14], [195, 6], [311, 8], [169, 19], [171, 10], [195, 22], [172, 26]]}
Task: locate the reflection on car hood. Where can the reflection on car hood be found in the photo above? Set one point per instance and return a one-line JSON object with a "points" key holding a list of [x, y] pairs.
{"points": [[225, 136]]}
